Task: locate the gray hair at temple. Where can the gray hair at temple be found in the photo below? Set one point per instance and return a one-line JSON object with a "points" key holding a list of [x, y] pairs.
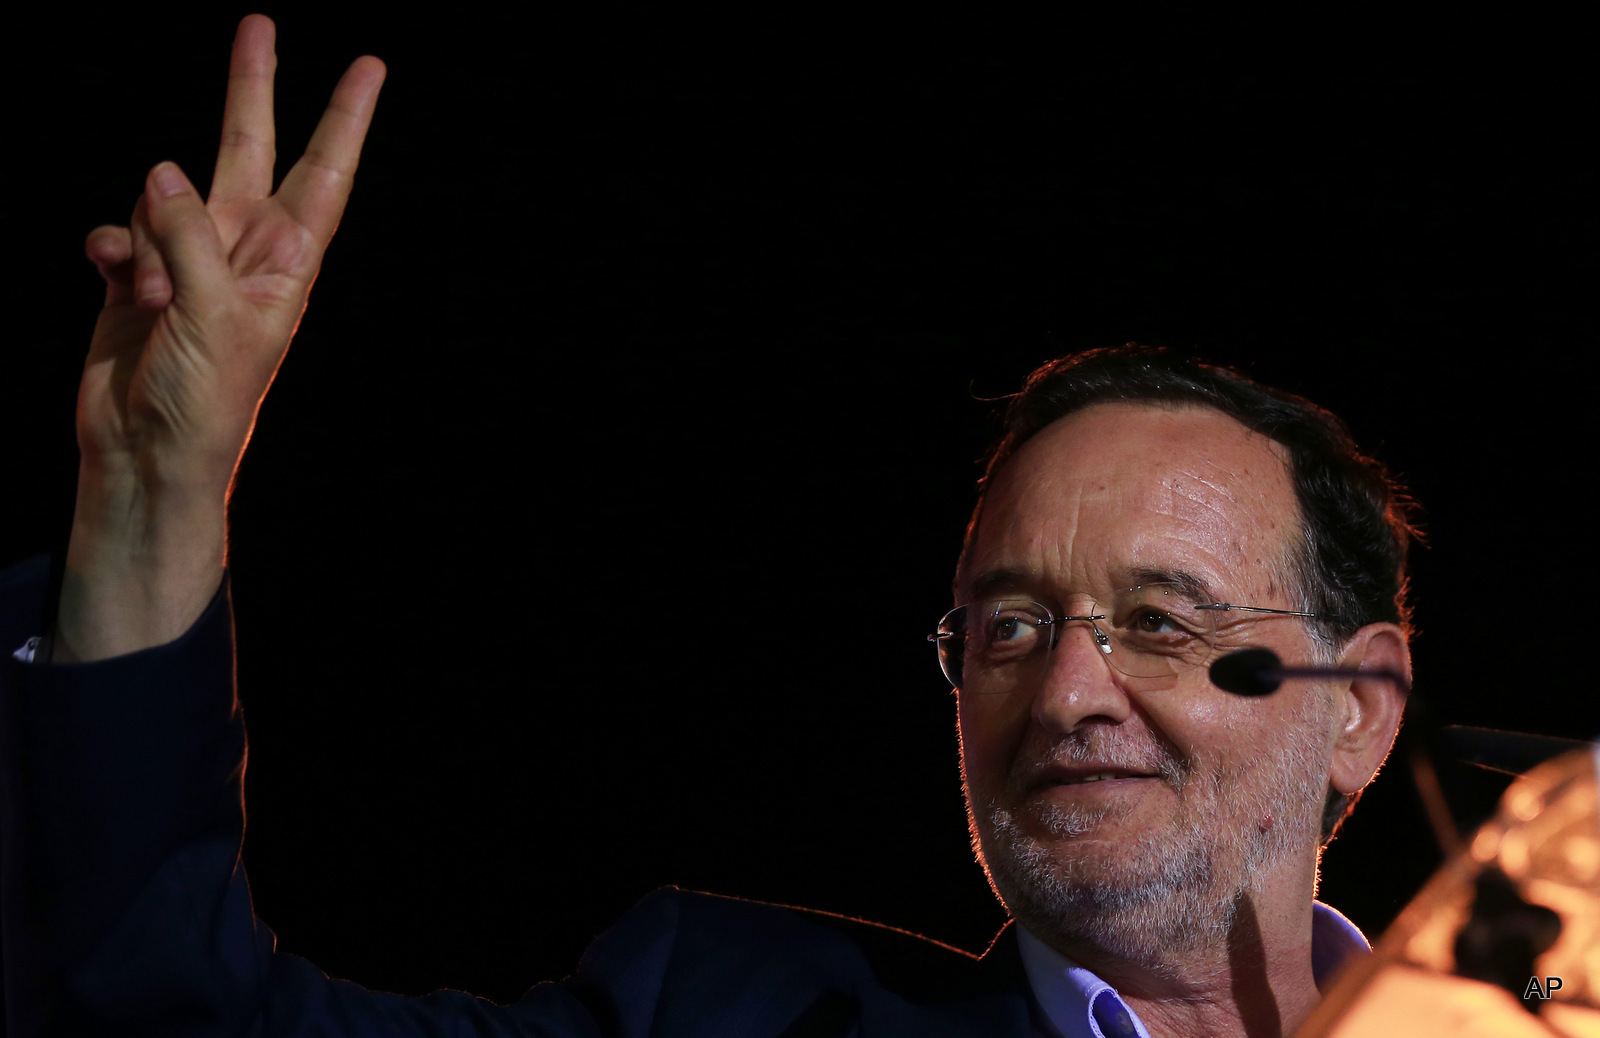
{"points": [[1357, 521]]}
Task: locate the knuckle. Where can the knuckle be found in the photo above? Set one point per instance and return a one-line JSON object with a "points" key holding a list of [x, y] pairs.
{"points": [[235, 137], [106, 238]]}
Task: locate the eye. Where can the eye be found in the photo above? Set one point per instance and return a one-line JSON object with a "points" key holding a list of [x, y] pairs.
{"points": [[1010, 628], [1008, 632], [1153, 621], [1154, 611], [1148, 626], [1007, 628]]}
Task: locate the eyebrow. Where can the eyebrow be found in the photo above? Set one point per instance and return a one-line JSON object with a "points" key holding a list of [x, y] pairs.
{"points": [[1189, 585], [988, 583], [1185, 583]]}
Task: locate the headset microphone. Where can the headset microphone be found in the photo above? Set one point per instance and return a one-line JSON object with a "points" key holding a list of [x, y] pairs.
{"points": [[1259, 672]]}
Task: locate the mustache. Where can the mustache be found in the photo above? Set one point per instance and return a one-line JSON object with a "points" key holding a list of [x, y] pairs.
{"points": [[1110, 748]]}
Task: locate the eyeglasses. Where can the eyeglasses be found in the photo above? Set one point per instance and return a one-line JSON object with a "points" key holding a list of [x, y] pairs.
{"points": [[1148, 632]]}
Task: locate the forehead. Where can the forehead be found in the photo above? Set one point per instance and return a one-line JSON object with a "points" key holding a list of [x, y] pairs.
{"points": [[1120, 488]]}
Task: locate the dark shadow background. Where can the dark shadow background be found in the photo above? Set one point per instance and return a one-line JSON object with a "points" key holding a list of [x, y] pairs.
{"points": [[591, 532]]}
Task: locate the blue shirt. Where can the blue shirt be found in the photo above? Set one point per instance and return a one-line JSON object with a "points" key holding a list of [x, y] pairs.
{"points": [[1074, 1003]]}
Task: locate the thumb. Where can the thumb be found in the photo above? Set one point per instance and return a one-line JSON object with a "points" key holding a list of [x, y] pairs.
{"points": [[185, 236]]}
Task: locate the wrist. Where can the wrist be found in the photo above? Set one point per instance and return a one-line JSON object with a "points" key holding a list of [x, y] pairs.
{"points": [[153, 471], [131, 520], [143, 562]]}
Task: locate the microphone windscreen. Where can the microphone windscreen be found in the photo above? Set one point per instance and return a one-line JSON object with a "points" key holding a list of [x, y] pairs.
{"points": [[1248, 672]]}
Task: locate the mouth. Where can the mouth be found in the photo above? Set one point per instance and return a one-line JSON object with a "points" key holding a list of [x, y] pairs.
{"points": [[1081, 776], [1106, 776]]}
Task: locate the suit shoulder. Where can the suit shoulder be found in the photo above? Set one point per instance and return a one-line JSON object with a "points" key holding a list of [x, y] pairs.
{"points": [[685, 962], [913, 966]]}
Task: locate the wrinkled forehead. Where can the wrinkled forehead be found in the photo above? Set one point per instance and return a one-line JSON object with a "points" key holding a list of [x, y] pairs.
{"points": [[1116, 489]]}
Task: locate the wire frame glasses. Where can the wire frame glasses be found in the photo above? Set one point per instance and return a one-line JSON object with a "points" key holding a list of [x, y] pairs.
{"points": [[1148, 632]]}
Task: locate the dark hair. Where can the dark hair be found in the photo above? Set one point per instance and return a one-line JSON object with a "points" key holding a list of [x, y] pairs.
{"points": [[1357, 521]]}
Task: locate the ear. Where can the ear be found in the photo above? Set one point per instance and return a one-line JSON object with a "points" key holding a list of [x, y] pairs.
{"points": [[1370, 708]]}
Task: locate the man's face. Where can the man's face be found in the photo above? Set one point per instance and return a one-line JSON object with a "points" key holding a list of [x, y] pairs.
{"points": [[1213, 792]]}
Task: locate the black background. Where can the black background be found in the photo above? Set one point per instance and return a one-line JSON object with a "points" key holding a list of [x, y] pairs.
{"points": [[590, 534]]}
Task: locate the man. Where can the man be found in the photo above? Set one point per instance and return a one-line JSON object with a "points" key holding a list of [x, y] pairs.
{"points": [[1132, 816], [1156, 837]]}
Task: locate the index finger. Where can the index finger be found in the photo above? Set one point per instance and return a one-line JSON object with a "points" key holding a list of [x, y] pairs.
{"points": [[245, 158], [317, 188]]}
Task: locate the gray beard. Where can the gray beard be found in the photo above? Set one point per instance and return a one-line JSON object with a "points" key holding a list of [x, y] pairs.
{"points": [[1171, 890]]}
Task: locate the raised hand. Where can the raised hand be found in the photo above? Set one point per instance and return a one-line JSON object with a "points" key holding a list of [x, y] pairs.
{"points": [[202, 299]]}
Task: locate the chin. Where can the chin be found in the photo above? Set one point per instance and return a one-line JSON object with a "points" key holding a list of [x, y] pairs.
{"points": [[1139, 898]]}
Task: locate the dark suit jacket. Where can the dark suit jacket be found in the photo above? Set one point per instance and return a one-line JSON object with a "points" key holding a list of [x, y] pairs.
{"points": [[124, 908]]}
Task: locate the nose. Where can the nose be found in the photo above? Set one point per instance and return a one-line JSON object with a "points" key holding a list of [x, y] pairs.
{"points": [[1077, 682]]}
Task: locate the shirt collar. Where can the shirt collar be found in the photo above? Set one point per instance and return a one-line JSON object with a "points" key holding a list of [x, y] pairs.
{"points": [[1077, 1004]]}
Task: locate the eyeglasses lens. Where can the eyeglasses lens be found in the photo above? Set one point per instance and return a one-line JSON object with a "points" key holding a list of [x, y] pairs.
{"points": [[1152, 631]]}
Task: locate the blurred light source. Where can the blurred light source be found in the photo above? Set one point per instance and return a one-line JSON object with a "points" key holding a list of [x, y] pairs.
{"points": [[1537, 861]]}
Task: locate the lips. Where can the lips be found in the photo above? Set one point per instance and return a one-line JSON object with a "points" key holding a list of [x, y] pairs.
{"points": [[1078, 775]]}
